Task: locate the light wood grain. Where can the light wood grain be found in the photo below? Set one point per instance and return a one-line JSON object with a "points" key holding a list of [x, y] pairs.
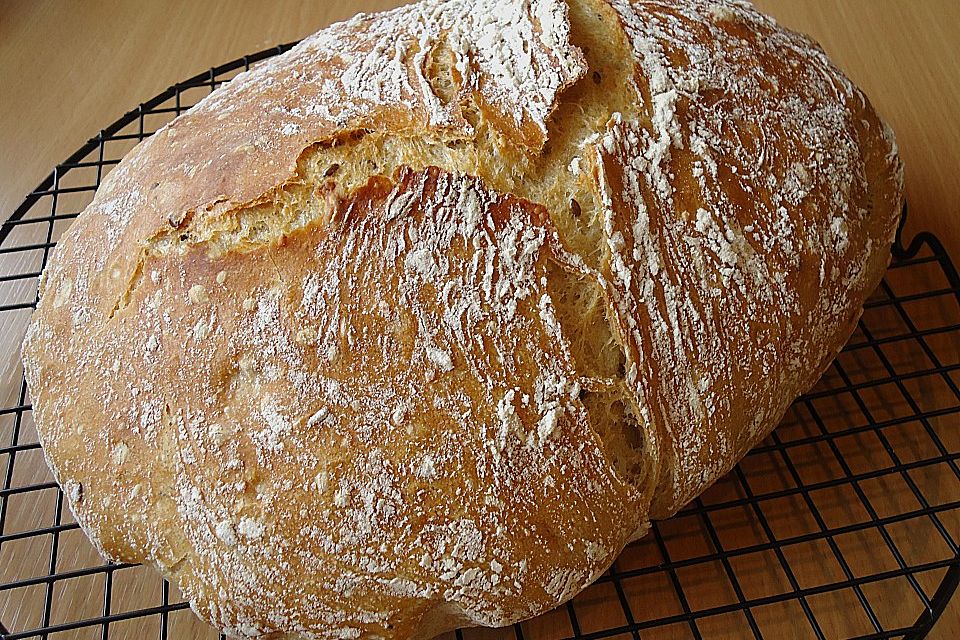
{"points": [[69, 69]]}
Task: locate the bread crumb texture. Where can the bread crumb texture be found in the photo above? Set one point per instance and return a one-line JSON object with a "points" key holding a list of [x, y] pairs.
{"points": [[418, 324]]}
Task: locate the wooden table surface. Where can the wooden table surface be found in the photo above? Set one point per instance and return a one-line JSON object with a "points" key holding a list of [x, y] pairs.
{"points": [[69, 69]]}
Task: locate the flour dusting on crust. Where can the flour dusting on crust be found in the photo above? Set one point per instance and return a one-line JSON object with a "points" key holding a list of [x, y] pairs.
{"points": [[449, 417], [709, 278]]}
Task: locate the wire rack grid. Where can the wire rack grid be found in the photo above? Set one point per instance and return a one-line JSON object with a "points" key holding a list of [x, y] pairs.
{"points": [[843, 523]]}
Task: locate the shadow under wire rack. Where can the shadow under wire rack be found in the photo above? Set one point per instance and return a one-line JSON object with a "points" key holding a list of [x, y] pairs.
{"points": [[843, 523]]}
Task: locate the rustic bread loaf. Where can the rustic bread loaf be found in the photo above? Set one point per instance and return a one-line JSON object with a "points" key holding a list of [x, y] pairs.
{"points": [[417, 325]]}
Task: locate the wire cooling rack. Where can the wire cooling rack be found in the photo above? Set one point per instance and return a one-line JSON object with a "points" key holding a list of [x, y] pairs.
{"points": [[843, 523]]}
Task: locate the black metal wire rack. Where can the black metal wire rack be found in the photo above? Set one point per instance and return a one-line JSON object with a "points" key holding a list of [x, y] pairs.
{"points": [[843, 523]]}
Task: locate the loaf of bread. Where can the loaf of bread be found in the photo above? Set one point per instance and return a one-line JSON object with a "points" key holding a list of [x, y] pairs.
{"points": [[417, 325]]}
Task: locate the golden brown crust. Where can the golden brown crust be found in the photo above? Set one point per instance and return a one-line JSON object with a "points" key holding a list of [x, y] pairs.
{"points": [[748, 209], [370, 422], [397, 373]]}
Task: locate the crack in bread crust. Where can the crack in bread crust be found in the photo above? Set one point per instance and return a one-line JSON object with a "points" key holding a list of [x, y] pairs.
{"points": [[333, 169]]}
